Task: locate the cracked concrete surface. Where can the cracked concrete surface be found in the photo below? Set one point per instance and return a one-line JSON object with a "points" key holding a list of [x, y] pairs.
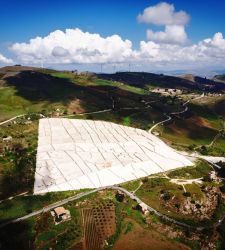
{"points": [[74, 154]]}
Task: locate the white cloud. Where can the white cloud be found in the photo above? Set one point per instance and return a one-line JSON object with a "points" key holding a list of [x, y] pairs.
{"points": [[149, 50], [76, 46], [172, 34], [5, 60], [216, 42], [73, 46], [163, 14], [208, 52], [60, 52], [164, 49]]}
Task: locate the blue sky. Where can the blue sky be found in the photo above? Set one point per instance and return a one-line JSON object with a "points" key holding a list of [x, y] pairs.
{"points": [[22, 20], [26, 19]]}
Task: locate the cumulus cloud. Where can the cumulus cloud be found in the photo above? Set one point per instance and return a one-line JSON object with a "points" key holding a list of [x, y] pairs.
{"points": [[5, 60], [60, 52], [73, 46], [163, 14], [210, 51], [172, 34], [76, 46], [216, 42]]}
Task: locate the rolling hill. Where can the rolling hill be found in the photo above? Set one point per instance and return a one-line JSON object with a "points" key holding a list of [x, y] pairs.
{"points": [[146, 80], [27, 90], [220, 77]]}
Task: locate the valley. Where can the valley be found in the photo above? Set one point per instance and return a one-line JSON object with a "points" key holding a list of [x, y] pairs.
{"points": [[189, 119]]}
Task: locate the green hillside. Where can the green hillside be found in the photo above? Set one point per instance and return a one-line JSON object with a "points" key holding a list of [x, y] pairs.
{"points": [[148, 80], [129, 102], [220, 77], [44, 91]]}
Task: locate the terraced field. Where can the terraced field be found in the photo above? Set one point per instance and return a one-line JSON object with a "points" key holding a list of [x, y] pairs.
{"points": [[99, 224]]}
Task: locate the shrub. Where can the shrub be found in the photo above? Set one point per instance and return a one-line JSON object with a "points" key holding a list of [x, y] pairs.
{"points": [[144, 180], [187, 194], [166, 196], [197, 206], [177, 205]]}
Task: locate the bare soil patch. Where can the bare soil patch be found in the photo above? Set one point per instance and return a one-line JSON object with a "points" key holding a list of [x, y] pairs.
{"points": [[143, 239], [75, 107], [200, 121]]}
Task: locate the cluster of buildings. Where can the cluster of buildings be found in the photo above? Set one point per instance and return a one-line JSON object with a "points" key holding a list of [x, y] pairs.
{"points": [[167, 92]]}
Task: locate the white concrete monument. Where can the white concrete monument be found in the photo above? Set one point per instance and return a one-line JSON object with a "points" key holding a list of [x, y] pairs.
{"points": [[74, 154]]}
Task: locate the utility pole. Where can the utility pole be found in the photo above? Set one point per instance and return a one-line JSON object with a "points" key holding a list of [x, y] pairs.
{"points": [[42, 64], [114, 68], [101, 67]]}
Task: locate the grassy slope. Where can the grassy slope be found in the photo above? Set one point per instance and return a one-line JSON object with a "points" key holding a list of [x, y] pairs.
{"points": [[93, 98], [197, 127], [12, 105], [40, 232], [94, 81], [148, 80], [37, 91], [220, 77], [44, 92]]}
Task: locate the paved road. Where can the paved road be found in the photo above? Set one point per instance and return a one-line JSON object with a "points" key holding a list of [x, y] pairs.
{"points": [[169, 117], [78, 196], [159, 123], [12, 197], [50, 207], [18, 116], [198, 156], [134, 197], [180, 112], [174, 113], [87, 113], [126, 192], [12, 119]]}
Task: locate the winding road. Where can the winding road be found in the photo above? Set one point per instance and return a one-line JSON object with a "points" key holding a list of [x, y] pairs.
{"points": [[126, 192], [174, 113], [159, 123], [78, 196]]}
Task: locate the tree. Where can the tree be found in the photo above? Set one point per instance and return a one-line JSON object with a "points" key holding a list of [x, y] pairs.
{"points": [[166, 196], [187, 194]]}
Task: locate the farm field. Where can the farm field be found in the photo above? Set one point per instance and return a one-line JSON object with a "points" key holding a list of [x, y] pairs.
{"points": [[112, 125], [201, 128], [131, 240], [114, 145], [97, 222]]}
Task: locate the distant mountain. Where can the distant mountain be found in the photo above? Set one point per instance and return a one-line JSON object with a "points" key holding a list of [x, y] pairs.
{"points": [[199, 80], [202, 73], [143, 79], [220, 77], [220, 72]]}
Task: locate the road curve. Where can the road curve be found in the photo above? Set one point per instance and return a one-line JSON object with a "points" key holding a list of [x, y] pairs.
{"points": [[174, 113], [159, 123], [126, 192], [169, 117], [78, 196]]}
